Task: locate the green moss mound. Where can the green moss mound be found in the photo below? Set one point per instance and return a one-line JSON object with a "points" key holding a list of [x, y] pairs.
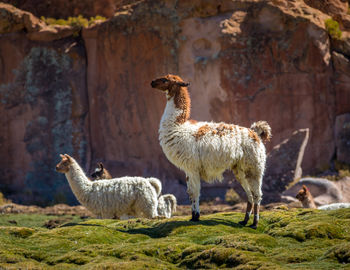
{"points": [[295, 239]]}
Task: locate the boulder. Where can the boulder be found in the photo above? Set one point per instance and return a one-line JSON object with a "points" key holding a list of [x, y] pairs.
{"points": [[344, 186], [14, 20]]}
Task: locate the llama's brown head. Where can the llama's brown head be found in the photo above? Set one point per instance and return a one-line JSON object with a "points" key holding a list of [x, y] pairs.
{"points": [[168, 82], [175, 88], [64, 165], [303, 193]]}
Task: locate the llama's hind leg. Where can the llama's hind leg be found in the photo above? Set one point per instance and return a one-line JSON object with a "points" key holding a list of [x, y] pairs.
{"points": [[244, 183], [193, 190], [255, 187]]}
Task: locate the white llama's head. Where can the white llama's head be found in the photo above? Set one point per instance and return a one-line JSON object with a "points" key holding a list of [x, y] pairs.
{"points": [[64, 165]]}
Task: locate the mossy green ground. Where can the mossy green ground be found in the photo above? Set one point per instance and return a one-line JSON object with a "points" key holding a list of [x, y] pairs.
{"points": [[296, 239]]}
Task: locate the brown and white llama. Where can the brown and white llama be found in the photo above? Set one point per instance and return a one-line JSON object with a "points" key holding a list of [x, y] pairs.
{"points": [[206, 149], [101, 172], [166, 203]]}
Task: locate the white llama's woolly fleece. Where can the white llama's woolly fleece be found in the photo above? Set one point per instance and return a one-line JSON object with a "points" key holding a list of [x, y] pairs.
{"points": [[334, 206], [166, 205], [125, 196]]}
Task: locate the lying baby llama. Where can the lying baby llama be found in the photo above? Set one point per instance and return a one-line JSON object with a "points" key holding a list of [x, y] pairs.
{"points": [[305, 197], [166, 203], [101, 173], [125, 196], [204, 150]]}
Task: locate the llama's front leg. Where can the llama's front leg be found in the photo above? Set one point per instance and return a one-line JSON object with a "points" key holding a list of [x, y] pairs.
{"points": [[256, 216], [248, 212], [193, 190]]}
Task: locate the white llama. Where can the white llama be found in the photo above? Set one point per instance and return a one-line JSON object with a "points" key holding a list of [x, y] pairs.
{"points": [[334, 206], [166, 203], [206, 149], [125, 196]]}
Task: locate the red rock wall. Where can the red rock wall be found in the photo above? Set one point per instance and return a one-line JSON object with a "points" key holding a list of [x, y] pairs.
{"points": [[245, 60]]}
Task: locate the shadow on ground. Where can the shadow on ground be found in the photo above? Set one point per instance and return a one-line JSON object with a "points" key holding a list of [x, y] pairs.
{"points": [[164, 229]]}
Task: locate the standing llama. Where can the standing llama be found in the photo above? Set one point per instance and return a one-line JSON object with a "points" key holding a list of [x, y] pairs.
{"points": [[125, 196], [206, 149], [166, 203]]}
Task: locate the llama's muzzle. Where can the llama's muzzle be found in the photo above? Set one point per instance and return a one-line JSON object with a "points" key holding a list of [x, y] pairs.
{"points": [[153, 84]]}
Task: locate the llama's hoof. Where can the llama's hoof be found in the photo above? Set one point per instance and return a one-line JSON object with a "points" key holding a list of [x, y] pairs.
{"points": [[253, 226], [195, 216], [243, 223]]}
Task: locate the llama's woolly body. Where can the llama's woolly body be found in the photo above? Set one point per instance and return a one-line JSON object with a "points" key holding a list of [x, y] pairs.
{"points": [[334, 206], [166, 205], [210, 148], [101, 173], [131, 196]]}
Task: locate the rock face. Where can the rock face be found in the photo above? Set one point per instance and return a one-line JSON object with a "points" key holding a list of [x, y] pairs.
{"points": [[284, 165], [89, 95], [342, 138], [65, 9], [44, 108]]}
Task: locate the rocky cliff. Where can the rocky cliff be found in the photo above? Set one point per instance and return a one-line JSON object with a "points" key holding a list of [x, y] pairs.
{"points": [[86, 92]]}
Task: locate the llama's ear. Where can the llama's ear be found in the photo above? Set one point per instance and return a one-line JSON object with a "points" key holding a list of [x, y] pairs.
{"points": [[305, 188], [62, 156], [68, 157], [182, 84], [101, 165]]}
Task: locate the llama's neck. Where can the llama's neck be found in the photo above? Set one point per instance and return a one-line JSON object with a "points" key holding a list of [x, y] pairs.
{"points": [[177, 110], [308, 201], [79, 183]]}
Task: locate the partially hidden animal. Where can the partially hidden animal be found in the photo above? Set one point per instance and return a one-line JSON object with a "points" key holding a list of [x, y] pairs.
{"points": [[305, 197], [166, 203], [101, 173], [204, 150], [114, 198]]}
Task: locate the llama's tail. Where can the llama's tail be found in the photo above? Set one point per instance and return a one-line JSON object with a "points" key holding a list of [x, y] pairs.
{"points": [[263, 130], [156, 184], [172, 199]]}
